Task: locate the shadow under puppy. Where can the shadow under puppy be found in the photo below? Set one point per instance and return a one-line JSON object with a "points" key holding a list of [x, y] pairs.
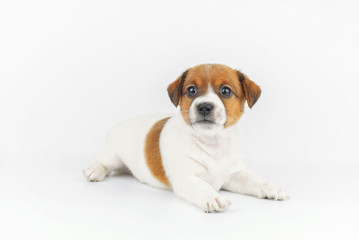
{"points": [[195, 152]]}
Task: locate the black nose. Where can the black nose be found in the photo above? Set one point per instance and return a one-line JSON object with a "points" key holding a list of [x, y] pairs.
{"points": [[204, 108]]}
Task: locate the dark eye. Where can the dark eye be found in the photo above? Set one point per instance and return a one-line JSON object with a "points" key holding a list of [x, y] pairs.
{"points": [[226, 92], [191, 91]]}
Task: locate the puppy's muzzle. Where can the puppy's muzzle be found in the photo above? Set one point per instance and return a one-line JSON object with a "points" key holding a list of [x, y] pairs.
{"points": [[205, 108]]}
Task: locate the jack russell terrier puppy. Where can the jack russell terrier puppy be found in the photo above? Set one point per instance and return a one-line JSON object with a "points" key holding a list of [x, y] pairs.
{"points": [[196, 152]]}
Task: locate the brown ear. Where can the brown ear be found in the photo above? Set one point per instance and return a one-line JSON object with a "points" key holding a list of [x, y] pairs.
{"points": [[251, 90], [175, 89]]}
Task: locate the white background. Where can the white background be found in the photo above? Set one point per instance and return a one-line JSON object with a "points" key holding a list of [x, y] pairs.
{"points": [[70, 70]]}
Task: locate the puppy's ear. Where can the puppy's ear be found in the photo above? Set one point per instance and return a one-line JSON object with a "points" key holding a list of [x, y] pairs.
{"points": [[175, 89], [251, 90]]}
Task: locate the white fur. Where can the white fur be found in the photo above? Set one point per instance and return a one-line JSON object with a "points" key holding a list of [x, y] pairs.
{"points": [[198, 160]]}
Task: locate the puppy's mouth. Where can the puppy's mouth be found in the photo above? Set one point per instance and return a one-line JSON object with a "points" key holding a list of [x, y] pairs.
{"points": [[206, 125], [205, 121]]}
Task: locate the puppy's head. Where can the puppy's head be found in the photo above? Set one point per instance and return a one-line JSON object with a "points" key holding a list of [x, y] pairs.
{"points": [[212, 96]]}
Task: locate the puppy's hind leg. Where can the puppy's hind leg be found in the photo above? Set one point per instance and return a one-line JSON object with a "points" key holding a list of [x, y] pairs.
{"points": [[105, 162]]}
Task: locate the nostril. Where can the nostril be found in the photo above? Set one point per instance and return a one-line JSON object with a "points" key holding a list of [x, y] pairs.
{"points": [[204, 108]]}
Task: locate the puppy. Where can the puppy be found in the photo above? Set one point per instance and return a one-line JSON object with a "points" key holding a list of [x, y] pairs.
{"points": [[196, 152]]}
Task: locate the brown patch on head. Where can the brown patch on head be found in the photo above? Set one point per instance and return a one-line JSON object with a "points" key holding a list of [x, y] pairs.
{"points": [[195, 77], [177, 90], [215, 76], [223, 76], [153, 153]]}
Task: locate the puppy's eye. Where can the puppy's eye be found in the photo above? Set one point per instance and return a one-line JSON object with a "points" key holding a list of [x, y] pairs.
{"points": [[191, 91], [226, 92]]}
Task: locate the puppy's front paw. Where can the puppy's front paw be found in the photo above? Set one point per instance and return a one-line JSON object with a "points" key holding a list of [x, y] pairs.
{"points": [[95, 172], [216, 204], [273, 192]]}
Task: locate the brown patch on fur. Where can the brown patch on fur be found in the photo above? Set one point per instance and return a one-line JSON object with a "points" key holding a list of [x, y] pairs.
{"points": [[153, 153], [215, 76]]}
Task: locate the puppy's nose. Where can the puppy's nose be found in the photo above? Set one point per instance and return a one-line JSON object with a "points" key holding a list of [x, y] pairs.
{"points": [[204, 108]]}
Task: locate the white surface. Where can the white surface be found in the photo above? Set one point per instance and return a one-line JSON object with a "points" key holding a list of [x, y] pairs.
{"points": [[70, 70], [53, 201]]}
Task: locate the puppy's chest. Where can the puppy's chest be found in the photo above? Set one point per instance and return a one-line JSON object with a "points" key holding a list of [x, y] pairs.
{"points": [[218, 161]]}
